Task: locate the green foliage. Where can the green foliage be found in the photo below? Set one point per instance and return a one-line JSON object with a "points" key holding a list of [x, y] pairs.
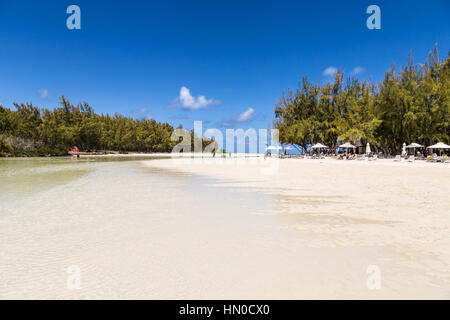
{"points": [[412, 105], [5, 148], [33, 131]]}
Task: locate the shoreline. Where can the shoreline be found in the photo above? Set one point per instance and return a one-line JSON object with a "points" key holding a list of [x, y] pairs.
{"points": [[218, 155], [96, 154]]}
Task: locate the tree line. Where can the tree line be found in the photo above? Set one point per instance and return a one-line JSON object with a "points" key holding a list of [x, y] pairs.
{"points": [[411, 104], [30, 130]]}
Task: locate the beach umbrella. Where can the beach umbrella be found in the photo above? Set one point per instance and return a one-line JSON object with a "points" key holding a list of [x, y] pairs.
{"points": [[414, 146], [368, 148], [347, 146], [318, 146], [440, 146]]}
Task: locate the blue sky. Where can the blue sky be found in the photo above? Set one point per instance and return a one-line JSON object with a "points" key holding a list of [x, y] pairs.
{"points": [[223, 62]]}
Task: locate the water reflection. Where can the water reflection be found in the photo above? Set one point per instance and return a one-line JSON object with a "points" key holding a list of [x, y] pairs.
{"points": [[21, 176]]}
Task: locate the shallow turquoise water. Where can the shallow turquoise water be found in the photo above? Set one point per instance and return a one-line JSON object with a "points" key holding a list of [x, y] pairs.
{"points": [[133, 231]]}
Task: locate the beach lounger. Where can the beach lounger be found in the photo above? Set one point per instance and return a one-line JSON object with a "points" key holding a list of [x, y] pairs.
{"points": [[434, 158]]}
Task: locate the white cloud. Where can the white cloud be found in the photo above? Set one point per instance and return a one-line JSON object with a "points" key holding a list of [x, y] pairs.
{"points": [[187, 101], [139, 111], [43, 93], [243, 117], [358, 70], [330, 71], [246, 115]]}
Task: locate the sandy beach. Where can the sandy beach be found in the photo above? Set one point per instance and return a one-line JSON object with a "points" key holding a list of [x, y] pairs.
{"points": [[336, 218], [223, 229]]}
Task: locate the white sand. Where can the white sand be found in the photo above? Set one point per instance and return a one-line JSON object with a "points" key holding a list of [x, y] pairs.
{"points": [[338, 217], [224, 229]]}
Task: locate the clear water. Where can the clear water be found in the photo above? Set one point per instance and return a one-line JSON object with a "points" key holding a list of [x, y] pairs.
{"points": [[133, 232]]}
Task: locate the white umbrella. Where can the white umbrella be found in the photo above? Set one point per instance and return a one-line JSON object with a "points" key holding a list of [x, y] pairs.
{"points": [[439, 145], [368, 148], [318, 146], [414, 146], [347, 145]]}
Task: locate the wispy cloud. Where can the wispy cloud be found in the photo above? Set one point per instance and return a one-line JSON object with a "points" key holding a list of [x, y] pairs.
{"points": [[330, 71], [358, 70], [180, 116], [43, 93], [187, 101], [245, 116], [139, 112]]}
